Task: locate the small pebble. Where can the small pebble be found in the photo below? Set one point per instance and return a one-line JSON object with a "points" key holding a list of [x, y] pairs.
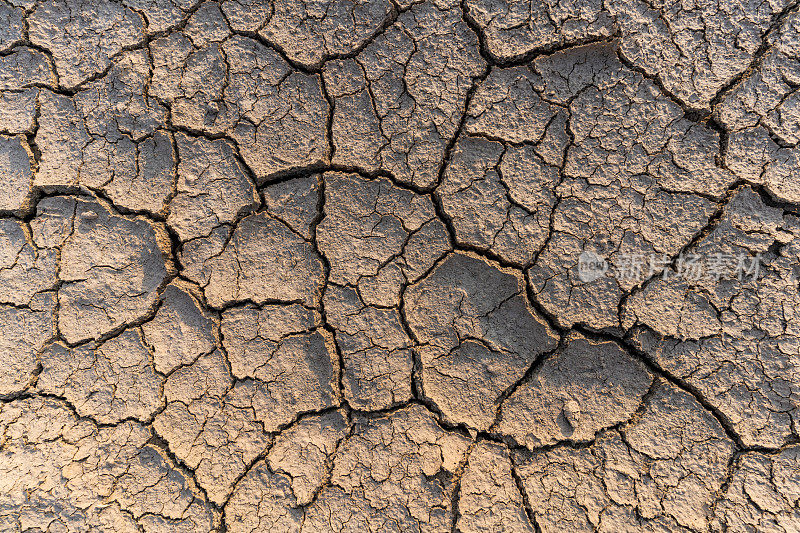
{"points": [[572, 412]]}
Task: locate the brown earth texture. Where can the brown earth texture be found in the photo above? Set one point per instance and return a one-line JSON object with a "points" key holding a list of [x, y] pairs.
{"points": [[400, 266]]}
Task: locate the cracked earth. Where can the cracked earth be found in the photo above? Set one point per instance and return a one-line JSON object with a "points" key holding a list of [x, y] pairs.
{"points": [[315, 266]]}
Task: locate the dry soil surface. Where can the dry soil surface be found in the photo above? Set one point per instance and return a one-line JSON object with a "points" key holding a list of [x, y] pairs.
{"points": [[399, 266]]}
